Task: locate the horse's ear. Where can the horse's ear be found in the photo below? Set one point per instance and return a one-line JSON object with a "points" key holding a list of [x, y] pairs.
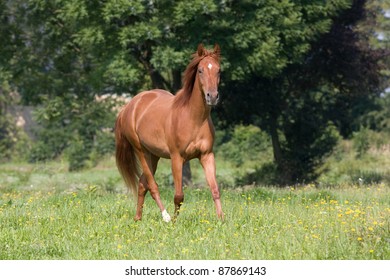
{"points": [[217, 50], [201, 51]]}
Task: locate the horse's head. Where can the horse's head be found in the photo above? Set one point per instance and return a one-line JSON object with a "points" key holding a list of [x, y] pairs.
{"points": [[209, 73]]}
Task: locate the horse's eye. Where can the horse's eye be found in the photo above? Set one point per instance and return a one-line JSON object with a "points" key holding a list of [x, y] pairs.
{"points": [[200, 70]]}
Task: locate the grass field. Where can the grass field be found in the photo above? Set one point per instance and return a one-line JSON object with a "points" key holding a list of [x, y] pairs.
{"points": [[48, 213]]}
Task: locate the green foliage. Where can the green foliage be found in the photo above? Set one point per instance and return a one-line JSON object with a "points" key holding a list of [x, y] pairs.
{"points": [[82, 129], [306, 152], [13, 140], [316, 96], [78, 153], [120, 73], [255, 37], [292, 68], [363, 159], [365, 139], [104, 143], [248, 150], [361, 142], [378, 119], [379, 23], [247, 143], [8, 136], [262, 174]]}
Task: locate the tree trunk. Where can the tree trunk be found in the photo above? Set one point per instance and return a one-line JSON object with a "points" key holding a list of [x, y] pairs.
{"points": [[157, 80], [176, 83], [144, 55], [281, 162]]}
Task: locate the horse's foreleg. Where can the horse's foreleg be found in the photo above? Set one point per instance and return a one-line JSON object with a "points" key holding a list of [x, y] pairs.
{"points": [[208, 164], [177, 172]]}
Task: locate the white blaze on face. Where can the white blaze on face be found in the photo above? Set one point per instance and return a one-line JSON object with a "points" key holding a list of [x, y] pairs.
{"points": [[210, 66]]}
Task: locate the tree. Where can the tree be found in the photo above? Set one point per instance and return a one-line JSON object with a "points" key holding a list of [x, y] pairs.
{"points": [[271, 48], [322, 90], [54, 71], [10, 43], [376, 24]]}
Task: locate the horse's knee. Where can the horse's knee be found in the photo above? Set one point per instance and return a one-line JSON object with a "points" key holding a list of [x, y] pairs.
{"points": [[142, 190], [153, 189], [143, 185], [215, 194]]}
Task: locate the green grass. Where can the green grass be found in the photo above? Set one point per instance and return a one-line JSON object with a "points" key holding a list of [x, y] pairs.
{"points": [[48, 213]]}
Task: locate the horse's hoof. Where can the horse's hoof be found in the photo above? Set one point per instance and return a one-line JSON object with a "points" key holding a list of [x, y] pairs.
{"points": [[166, 216], [137, 219]]}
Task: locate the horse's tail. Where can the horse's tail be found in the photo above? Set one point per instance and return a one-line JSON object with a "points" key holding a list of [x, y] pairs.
{"points": [[126, 159]]}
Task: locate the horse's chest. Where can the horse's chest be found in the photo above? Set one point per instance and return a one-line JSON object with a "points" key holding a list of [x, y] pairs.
{"points": [[198, 145], [190, 139], [192, 150]]}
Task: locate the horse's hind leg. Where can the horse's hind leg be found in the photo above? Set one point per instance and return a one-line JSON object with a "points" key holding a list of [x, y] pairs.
{"points": [[142, 190], [149, 166], [143, 187]]}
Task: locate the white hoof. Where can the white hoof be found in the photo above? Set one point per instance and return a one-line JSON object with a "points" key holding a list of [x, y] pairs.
{"points": [[166, 216]]}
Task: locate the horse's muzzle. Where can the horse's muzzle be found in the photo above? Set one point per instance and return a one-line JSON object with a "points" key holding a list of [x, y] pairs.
{"points": [[212, 98]]}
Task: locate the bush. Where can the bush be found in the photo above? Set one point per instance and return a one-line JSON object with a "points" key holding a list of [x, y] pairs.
{"points": [[7, 137], [249, 150], [104, 144], [246, 144], [361, 141], [83, 129], [13, 140], [362, 160], [77, 154], [266, 174], [51, 143]]}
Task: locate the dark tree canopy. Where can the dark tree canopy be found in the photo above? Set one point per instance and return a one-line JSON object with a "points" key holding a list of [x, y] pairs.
{"points": [[311, 100]]}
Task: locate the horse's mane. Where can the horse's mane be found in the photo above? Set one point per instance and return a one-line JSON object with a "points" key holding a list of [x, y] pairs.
{"points": [[184, 94]]}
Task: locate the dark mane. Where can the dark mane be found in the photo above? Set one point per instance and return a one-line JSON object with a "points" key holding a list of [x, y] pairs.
{"points": [[183, 95]]}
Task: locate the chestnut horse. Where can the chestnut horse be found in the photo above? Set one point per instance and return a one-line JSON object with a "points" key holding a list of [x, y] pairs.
{"points": [[156, 124]]}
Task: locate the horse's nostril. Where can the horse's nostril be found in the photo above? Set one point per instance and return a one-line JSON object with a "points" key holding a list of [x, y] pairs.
{"points": [[217, 95], [208, 94]]}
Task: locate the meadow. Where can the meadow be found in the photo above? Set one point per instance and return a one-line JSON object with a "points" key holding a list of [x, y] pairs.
{"points": [[48, 213]]}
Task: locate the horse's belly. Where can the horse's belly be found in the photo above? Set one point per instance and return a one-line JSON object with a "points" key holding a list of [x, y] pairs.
{"points": [[152, 135], [157, 147]]}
